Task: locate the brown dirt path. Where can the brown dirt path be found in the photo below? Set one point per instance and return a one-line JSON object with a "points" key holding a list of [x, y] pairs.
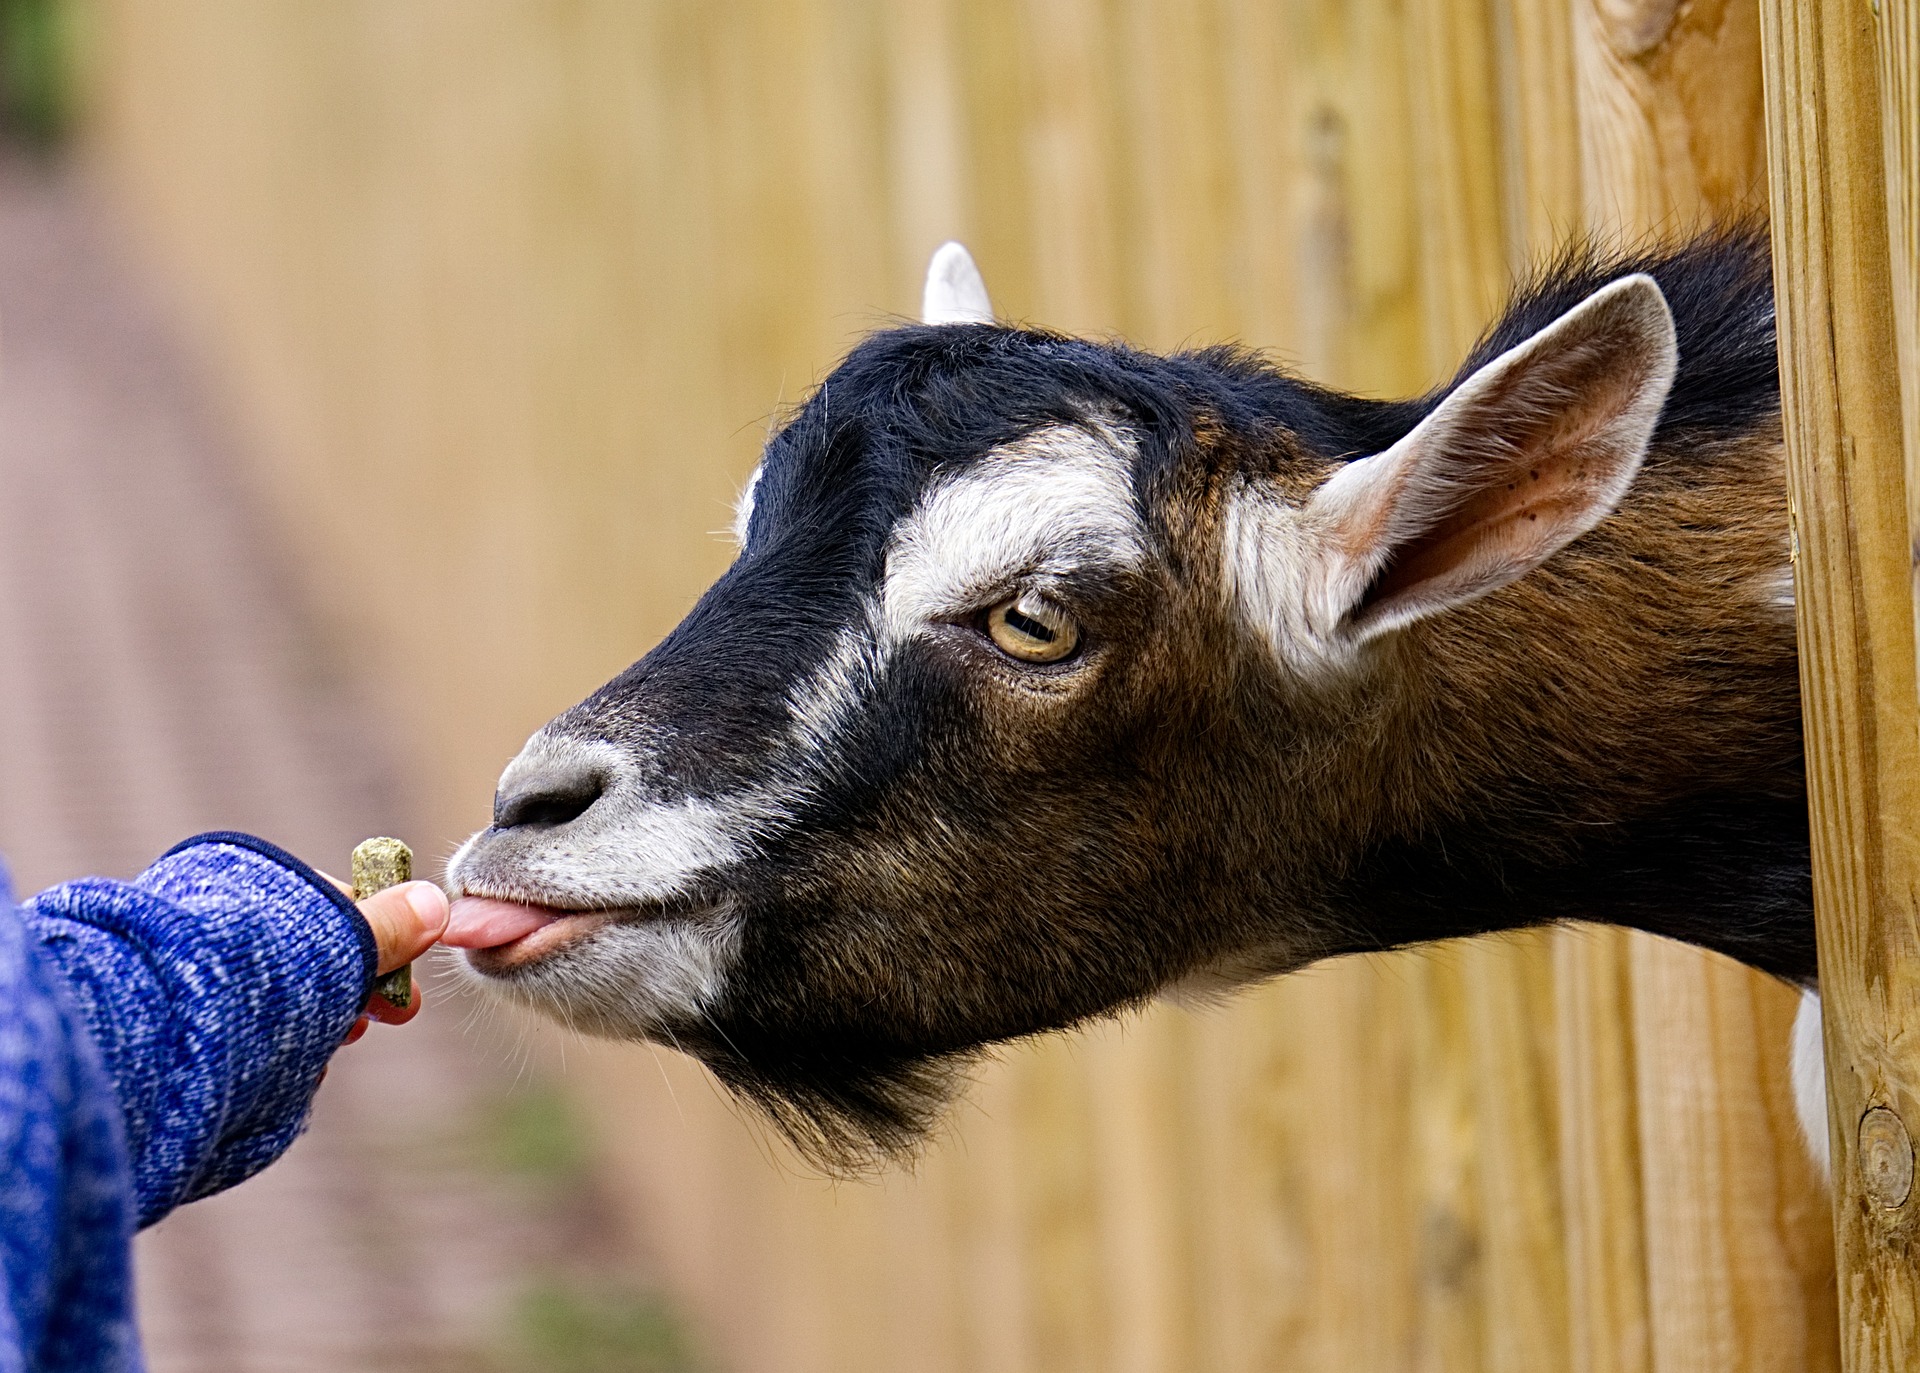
{"points": [[159, 677]]}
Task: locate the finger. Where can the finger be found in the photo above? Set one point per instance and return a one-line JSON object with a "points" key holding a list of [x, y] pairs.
{"points": [[359, 1029], [387, 1013], [406, 921], [345, 887]]}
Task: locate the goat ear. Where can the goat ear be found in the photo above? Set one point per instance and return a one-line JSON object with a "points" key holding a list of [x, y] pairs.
{"points": [[1523, 457], [955, 292]]}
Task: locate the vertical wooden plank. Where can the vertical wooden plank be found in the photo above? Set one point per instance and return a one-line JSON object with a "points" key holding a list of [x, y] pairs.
{"points": [[1897, 35], [1539, 128], [1266, 76], [1441, 1176], [1493, 1247], [1451, 65], [1169, 114], [1133, 1071], [1897, 40], [1670, 112], [1329, 1251], [988, 1209], [1378, 139], [1075, 225], [1852, 574], [926, 131], [1516, 1063], [1737, 1276], [1671, 139], [1608, 1326]]}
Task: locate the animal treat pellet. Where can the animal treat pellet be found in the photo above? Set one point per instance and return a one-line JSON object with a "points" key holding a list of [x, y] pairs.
{"points": [[377, 865]]}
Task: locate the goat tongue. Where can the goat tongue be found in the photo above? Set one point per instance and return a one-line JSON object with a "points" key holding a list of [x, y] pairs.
{"points": [[480, 922]]}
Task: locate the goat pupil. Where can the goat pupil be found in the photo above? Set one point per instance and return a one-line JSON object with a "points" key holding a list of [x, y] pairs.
{"points": [[1030, 627]]}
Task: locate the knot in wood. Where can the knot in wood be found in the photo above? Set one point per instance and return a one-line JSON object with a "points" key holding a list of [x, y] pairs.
{"points": [[1634, 28], [1886, 1158]]}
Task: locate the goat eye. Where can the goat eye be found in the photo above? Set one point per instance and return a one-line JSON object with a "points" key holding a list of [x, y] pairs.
{"points": [[1032, 629]]}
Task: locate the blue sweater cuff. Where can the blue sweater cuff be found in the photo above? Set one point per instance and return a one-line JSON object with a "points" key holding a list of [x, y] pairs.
{"points": [[218, 984], [341, 902]]}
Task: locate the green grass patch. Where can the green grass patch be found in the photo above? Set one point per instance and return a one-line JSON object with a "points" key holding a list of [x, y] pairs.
{"points": [[36, 69], [535, 1131], [573, 1327]]}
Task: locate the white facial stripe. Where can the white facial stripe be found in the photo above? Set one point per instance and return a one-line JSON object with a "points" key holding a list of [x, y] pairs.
{"points": [[833, 693], [743, 507], [641, 852], [1057, 501]]}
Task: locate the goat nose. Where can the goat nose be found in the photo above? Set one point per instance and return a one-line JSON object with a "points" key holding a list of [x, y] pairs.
{"points": [[550, 796]]}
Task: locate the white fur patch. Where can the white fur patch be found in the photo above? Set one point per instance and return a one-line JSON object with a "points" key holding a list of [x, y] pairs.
{"points": [[1056, 502], [833, 694], [743, 507], [647, 851], [628, 850], [1277, 576], [1808, 1064], [1777, 590]]}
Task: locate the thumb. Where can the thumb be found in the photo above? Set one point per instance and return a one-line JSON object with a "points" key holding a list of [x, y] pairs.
{"points": [[406, 921]]}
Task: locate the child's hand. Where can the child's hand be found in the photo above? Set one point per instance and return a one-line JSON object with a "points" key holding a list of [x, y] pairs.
{"points": [[406, 921]]}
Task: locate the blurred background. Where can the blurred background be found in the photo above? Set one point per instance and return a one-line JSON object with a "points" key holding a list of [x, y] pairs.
{"points": [[374, 376]]}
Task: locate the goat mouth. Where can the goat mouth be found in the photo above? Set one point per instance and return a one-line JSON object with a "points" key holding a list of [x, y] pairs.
{"points": [[557, 935], [501, 936], [487, 922]]}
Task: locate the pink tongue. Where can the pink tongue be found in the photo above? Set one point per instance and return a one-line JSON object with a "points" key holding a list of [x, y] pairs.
{"points": [[480, 922]]}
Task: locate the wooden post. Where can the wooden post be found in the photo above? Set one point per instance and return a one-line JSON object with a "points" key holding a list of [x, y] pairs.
{"points": [[1841, 376], [1673, 1088]]}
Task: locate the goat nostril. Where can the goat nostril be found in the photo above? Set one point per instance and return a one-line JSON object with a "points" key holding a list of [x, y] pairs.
{"points": [[548, 800]]}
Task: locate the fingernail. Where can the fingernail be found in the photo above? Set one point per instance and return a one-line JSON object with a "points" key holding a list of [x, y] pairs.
{"points": [[428, 903]]}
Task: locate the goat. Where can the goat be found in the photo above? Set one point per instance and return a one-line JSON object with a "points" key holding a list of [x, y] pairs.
{"points": [[1053, 674]]}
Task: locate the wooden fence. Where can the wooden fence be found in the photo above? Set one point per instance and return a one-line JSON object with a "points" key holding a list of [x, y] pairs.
{"points": [[1844, 144], [539, 273]]}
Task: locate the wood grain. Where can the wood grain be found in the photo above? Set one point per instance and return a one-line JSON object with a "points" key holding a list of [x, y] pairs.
{"points": [[1837, 290], [1671, 138], [1897, 41], [1670, 112]]}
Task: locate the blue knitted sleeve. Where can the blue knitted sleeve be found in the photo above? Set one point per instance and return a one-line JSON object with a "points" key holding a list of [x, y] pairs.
{"points": [[66, 1216], [216, 985]]}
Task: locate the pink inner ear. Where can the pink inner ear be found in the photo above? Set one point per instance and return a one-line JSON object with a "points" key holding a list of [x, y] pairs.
{"points": [[1490, 536], [1517, 475]]}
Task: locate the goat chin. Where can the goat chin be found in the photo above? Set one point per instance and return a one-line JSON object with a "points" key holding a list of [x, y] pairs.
{"points": [[617, 979]]}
